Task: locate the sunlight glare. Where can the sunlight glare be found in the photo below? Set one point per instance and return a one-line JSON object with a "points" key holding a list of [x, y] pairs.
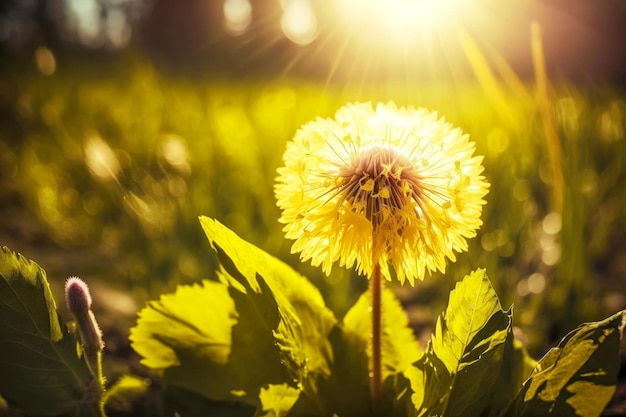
{"points": [[404, 18]]}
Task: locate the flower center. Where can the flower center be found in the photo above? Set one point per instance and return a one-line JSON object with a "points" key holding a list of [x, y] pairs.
{"points": [[380, 183]]}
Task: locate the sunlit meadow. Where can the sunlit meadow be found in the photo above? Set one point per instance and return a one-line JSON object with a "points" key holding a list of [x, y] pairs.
{"points": [[106, 168]]}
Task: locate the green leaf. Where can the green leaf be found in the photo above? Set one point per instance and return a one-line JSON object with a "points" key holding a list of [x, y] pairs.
{"points": [[457, 372], [201, 343], [126, 390], [262, 324], [41, 371], [397, 397], [400, 347], [181, 324], [516, 368], [346, 392], [183, 403], [253, 362], [292, 308], [578, 377], [277, 400]]}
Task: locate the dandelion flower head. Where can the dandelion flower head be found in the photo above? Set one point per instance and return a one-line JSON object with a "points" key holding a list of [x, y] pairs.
{"points": [[391, 186]]}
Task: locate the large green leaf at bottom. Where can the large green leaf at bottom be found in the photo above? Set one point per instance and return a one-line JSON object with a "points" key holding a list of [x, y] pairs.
{"points": [[41, 371], [195, 321], [262, 324], [578, 377], [254, 360], [292, 308], [457, 372], [200, 342]]}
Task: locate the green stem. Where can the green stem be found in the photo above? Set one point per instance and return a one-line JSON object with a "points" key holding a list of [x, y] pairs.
{"points": [[101, 384], [376, 366], [91, 338], [94, 362]]}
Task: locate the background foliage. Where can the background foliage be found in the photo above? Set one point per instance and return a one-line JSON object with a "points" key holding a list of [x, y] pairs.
{"points": [[122, 166]]}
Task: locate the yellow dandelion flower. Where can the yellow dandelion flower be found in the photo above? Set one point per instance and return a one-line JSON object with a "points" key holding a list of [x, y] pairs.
{"points": [[388, 186]]}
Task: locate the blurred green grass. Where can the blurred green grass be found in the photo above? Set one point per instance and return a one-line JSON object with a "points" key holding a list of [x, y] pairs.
{"points": [[106, 168]]}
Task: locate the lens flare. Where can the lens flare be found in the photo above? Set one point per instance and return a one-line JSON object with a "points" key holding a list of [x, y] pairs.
{"points": [[403, 19]]}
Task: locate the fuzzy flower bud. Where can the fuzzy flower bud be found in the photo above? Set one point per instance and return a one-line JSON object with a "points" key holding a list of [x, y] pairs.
{"points": [[77, 296], [78, 301]]}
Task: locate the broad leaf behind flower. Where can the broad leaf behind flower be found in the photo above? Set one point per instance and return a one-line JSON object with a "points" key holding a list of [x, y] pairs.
{"points": [[400, 347], [347, 391], [196, 339], [203, 343], [263, 323], [301, 321]]}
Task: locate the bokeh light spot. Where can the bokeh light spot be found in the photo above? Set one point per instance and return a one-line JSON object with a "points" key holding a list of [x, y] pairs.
{"points": [[568, 112], [551, 255], [522, 287], [177, 187], [611, 122], [498, 141], [237, 16], [48, 202], [589, 182], [299, 23], [521, 190], [46, 63], [117, 28], [502, 237], [488, 242], [84, 16], [536, 283], [100, 158], [174, 151], [552, 223]]}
